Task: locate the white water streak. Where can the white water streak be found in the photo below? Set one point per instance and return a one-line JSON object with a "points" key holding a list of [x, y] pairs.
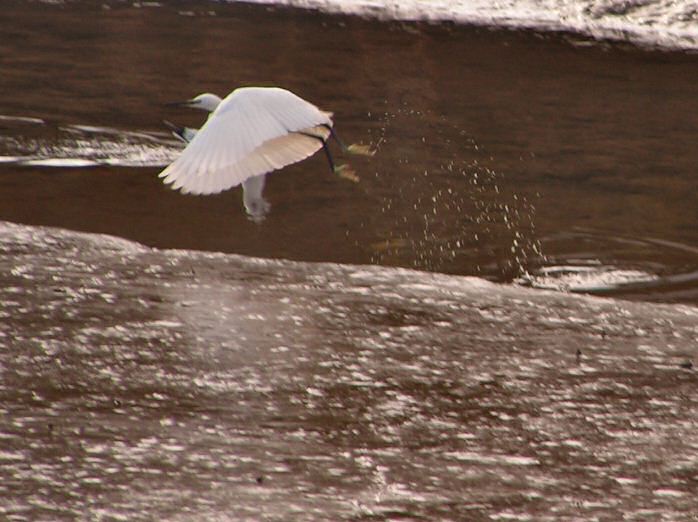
{"points": [[653, 23]]}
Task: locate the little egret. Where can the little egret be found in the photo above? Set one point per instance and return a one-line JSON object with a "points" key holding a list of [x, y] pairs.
{"points": [[252, 188], [251, 132]]}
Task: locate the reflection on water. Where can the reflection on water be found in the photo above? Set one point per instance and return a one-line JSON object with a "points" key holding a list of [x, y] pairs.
{"points": [[77, 146]]}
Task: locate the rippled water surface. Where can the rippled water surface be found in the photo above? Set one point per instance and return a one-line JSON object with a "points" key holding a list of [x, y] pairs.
{"points": [[498, 153], [163, 376], [141, 385]]}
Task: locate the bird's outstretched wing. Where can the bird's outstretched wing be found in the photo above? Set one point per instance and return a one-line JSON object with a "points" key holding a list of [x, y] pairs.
{"points": [[253, 131]]}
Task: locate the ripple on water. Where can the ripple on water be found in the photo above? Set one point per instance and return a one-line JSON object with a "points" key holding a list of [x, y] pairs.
{"points": [[82, 146]]}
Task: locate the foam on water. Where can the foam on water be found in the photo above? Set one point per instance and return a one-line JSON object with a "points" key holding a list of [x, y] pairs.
{"points": [[654, 23]]}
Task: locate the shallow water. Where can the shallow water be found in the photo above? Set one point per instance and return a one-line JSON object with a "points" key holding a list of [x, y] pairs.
{"points": [[499, 153], [143, 383], [176, 385]]}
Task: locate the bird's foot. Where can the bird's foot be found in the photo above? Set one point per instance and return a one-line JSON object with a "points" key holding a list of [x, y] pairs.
{"points": [[257, 209], [346, 172], [361, 150]]}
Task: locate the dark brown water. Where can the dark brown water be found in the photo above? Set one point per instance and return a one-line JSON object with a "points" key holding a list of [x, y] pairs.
{"points": [[138, 383], [493, 147]]}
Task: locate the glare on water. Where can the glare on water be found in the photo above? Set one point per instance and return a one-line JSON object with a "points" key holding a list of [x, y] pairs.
{"points": [[142, 383]]}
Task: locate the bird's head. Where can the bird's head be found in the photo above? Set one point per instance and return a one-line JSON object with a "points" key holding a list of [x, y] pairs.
{"points": [[206, 102]]}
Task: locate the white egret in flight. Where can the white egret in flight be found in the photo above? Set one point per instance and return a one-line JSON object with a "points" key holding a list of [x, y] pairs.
{"points": [[252, 188], [251, 132]]}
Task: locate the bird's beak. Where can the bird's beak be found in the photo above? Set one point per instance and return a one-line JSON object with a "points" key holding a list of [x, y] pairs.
{"points": [[186, 103]]}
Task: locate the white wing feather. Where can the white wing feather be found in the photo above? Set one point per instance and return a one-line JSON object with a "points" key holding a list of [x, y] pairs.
{"points": [[253, 131]]}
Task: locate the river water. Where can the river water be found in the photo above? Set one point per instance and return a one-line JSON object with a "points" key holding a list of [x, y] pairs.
{"points": [[142, 382], [176, 385], [500, 154]]}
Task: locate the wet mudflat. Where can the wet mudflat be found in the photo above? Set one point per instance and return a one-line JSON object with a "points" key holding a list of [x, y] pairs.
{"points": [[140, 384]]}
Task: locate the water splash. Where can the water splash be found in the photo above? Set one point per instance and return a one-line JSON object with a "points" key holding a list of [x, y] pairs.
{"points": [[453, 213]]}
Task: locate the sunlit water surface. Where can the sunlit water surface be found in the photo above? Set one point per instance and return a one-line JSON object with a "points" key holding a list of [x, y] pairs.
{"points": [[174, 385], [547, 160], [142, 384]]}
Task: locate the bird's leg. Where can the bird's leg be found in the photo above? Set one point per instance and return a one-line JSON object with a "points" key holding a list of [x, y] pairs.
{"points": [[354, 148], [333, 168], [335, 136], [343, 170]]}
